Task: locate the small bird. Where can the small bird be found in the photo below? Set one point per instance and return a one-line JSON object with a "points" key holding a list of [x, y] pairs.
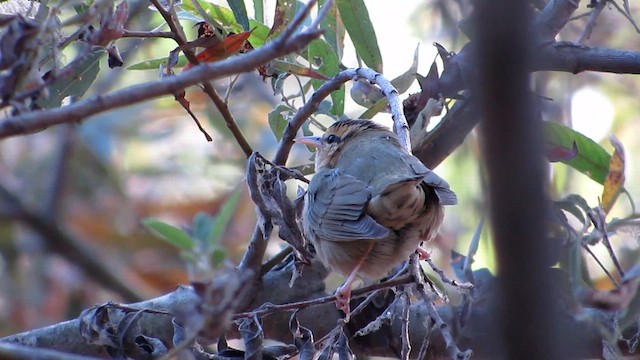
{"points": [[370, 204]]}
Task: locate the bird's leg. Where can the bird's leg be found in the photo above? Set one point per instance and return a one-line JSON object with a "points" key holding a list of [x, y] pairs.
{"points": [[422, 253], [343, 293]]}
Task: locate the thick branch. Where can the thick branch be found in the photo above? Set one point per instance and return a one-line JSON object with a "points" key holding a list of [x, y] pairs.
{"points": [[556, 56], [553, 18], [576, 58], [273, 288]]}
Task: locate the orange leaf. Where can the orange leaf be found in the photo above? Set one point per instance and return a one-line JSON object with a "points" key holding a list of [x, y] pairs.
{"points": [[614, 182], [221, 50]]}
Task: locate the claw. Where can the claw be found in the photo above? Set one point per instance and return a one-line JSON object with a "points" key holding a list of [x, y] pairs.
{"points": [[423, 254], [343, 296]]}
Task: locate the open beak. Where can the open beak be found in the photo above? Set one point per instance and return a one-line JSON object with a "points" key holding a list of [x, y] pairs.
{"points": [[315, 141]]}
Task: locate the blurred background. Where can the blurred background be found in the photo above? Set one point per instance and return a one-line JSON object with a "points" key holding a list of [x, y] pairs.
{"points": [[101, 178]]}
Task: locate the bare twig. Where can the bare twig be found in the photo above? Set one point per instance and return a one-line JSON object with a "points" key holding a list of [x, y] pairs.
{"points": [[400, 126], [553, 18], [148, 34], [597, 260], [625, 12], [276, 259], [230, 88], [304, 112], [591, 23], [325, 90], [404, 318], [424, 346], [270, 308], [438, 323], [447, 280], [171, 19]]}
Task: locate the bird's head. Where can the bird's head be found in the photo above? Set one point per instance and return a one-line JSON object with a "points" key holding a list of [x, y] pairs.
{"points": [[332, 143]]}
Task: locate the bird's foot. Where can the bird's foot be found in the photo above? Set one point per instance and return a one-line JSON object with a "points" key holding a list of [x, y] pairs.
{"points": [[423, 254], [343, 296]]}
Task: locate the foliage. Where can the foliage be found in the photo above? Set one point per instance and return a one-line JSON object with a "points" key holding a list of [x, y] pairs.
{"points": [[133, 166]]}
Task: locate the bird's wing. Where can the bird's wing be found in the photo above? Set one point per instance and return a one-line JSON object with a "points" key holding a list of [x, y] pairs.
{"points": [[446, 196], [336, 205]]}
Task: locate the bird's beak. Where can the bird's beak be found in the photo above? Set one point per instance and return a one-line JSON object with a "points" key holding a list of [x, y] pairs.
{"points": [[315, 141]]}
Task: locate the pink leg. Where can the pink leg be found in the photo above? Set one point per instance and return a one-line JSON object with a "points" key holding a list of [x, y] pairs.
{"points": [[424, 254], [343, 293]]}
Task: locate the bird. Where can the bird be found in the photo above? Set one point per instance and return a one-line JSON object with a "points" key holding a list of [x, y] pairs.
{"points": [[370, 204]]}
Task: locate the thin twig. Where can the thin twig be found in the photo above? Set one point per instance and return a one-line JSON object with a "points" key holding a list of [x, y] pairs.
{"points": [[427, 340], [446, 279], [604, 268], [452, 348], [276, 259], [270, 308], [148, 34], [304, 112], [612, 254], [553, 18], [404, 319], [626, 14], [230, 88], [400, 123], [220, 104], [591, 23]]}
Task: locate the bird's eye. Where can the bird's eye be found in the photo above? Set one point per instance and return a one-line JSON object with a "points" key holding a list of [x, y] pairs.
{"points": [[332, 139]]}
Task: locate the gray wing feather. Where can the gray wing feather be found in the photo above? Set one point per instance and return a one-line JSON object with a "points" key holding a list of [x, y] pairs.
{"points": [[446, 196], [442, 189], [336, 205]]}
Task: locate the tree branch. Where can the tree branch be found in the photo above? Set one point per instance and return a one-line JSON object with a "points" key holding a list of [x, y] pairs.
{"points": [[576, 58], [273, 288], [40, 120], [553, 18]]}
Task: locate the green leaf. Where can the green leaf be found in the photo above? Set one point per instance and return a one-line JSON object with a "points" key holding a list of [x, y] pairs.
{"points": [[240, 13], [320, 54], [334, 29], [574, 204], [285, 12], [404, 81], [224, 217], [296, 69], [81, 9], [259, 33], [258, 9], [154, 64], [591, 159], [171, 234], [374, 109], [278, 121], [227, 19], [355, 17], [202, 226], [217, 257], [74, 79]]}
